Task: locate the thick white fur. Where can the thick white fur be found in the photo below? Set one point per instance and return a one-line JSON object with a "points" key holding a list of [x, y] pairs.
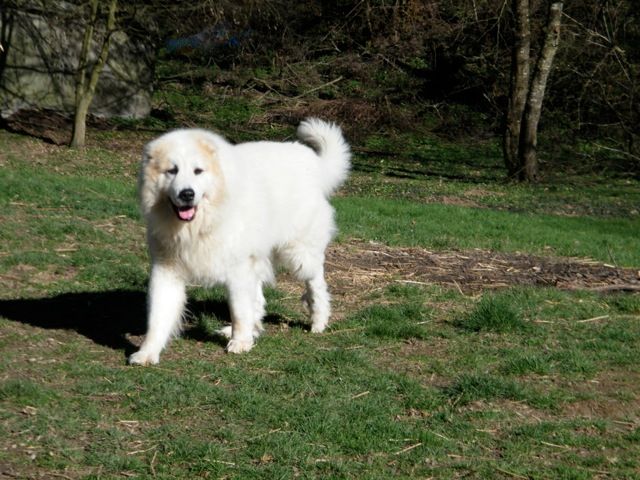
{"points": [[257, 204]]}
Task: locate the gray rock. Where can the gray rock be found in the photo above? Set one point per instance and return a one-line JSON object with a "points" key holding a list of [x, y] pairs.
{"points": [[42, 42]]}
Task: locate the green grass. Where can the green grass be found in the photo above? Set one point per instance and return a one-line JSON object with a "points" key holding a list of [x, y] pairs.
{"points": [[425, 168], [433, 225], [413, 381], [496, 313], [347, 404]]}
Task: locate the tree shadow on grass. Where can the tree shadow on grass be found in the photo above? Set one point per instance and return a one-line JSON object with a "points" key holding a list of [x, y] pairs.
{"points": [[107, 318]]}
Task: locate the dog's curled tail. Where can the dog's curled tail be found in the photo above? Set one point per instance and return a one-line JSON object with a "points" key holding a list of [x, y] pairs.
{"points": [[329, 143]]}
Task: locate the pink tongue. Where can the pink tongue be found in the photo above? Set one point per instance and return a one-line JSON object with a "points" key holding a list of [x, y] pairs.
{"points": [[187, 214]]}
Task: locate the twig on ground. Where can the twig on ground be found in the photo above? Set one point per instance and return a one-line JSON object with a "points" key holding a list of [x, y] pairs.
{"points": [[231, 464], [360, 395], [511, 474], [594, 319], [405, 450], [315, 89], [555, 445], [459, 288], [153, 461], [412, 282], [275, 430], [54, 474]]}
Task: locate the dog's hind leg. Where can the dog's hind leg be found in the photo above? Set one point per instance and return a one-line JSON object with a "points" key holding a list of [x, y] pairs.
{"points": [[307, 264], [318, 301], [166, 302]]}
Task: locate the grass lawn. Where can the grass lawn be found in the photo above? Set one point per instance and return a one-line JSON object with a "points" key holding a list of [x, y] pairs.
{"points": [[414, 379]]}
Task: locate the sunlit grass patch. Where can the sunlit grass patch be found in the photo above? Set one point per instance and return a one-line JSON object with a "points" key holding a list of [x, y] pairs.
{"points": [[523, 364], [495, 313], [393, 321], [402, 222], [471, 387]]}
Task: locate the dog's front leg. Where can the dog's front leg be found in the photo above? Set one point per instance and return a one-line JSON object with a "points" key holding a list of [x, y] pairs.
{"points": [[245, 316], [166, 302]]}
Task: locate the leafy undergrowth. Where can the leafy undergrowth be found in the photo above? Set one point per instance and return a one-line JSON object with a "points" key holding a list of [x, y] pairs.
{"points": [[412, 379]]}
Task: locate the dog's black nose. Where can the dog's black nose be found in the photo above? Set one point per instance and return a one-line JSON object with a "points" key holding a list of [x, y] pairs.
{"points": [[187, 195]]}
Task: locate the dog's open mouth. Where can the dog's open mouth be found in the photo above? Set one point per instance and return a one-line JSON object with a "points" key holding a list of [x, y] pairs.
{"points": [[185, 213]]}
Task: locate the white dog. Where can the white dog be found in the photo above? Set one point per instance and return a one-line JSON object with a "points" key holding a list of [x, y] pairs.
{"points": [[219, 213]]}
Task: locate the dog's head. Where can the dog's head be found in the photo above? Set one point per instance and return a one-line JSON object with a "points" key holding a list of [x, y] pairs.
{"points": [[180, 171]]}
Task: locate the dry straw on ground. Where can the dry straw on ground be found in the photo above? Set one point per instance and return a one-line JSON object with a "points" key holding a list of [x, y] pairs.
{"points": [[357, 268]]}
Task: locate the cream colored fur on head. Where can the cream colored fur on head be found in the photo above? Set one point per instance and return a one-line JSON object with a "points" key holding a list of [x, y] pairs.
{"points": [[219, 213]]}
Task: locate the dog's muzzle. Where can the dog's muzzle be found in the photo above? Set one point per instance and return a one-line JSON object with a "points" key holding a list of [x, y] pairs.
{"points": [[186, 211]]}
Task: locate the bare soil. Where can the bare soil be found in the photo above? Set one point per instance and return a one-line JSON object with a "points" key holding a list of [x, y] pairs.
{"points": [[366, 264], [48, 125], [356, 269]]}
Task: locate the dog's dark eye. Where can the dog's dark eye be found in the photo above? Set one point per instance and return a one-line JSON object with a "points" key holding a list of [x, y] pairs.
{"points": [[198, 171], [173, 171]]}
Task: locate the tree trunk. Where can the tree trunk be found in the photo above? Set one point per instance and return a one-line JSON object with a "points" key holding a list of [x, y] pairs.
{"points": [[520, 72], [529, 134], [80, 123], [86, 87]]}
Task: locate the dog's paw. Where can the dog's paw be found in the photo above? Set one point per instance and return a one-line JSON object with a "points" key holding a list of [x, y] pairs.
{"points": [[319, 327], [224, 331], [144, 358], [239, 346]]}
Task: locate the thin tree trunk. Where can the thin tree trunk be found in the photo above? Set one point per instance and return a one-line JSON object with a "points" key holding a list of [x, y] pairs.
{"points": [[80, 122], [529, 134], [86, 87], [520, 73]]}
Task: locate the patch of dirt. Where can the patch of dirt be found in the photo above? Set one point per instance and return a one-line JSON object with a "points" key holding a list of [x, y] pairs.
{"points": [[355, 266], [49, 125], [356, 269], [606, 400], [525, 413], [460, 201], [23, 276], [481, 193]]}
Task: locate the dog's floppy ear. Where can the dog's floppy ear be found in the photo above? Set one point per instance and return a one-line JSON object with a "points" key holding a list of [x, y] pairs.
{"points": [[146, 154], [155, 157], [213, 149], [207, 147], [151, 169]]}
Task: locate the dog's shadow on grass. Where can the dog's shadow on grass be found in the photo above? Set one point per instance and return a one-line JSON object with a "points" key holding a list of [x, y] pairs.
{"points": [[108, 318]]}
